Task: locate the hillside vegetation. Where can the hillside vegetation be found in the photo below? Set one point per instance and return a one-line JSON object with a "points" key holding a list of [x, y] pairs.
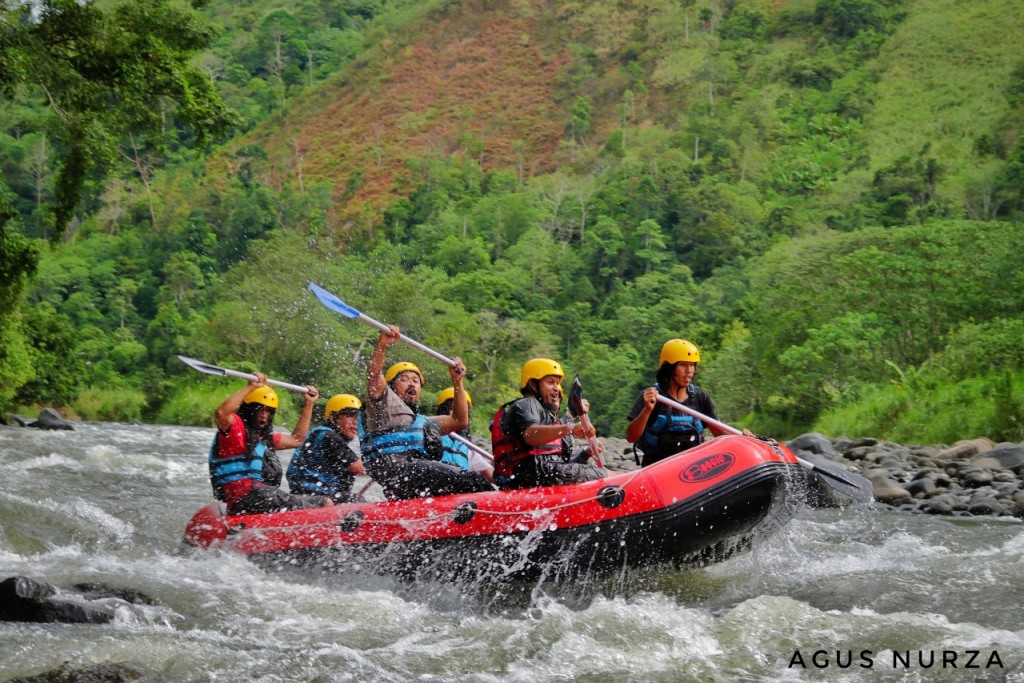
{"points": [[824, 195]]}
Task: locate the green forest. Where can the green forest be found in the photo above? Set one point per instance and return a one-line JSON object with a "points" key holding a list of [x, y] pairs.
{"points": [[826, 196]]}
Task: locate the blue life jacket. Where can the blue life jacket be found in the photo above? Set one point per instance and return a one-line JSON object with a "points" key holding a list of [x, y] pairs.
{"points": [[455, 452], [309, 472], [412, 440], [669, 432], [248, 465]]}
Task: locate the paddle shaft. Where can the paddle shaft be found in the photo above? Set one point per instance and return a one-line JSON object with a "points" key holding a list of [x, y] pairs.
{"points": [[841, 478], [225, 372], [411, 342], [332, 302], [699, 415], [576, 409], [252, 378], [592, 440], [461, 439]]}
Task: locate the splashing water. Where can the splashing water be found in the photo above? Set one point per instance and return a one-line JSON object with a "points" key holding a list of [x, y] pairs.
{"points": [[108, 503]]}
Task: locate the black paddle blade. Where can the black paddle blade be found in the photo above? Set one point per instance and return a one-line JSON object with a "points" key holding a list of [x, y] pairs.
{"points": [[576, 398], [853, 485]]}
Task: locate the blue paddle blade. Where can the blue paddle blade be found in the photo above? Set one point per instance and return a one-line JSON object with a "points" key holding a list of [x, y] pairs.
{"points": [[332, 302]]}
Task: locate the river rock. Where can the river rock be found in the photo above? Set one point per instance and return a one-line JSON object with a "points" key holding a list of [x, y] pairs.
{"points": [[51, 419], [929, 452], [971, 477], [1017, 507], [618, 454], [100, 673], [19, 420], [1005, 458], [922, 488], [965, 449], [25, 599], [859, 452], [943, 504], [886, 489], [985, 505], [812, 443], [976, 477]]}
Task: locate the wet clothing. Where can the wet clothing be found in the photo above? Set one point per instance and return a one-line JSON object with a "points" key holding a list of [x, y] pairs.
{"points": [[410, 476], [387, 413], [266, 499], [237, 461], [422, 436], [459, 454], [402, 451], [669, 431], [517, 464], [242, 469], [455, 452], [320, 466]]}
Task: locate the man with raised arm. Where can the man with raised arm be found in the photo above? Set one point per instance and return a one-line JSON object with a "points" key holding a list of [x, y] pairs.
{"points": [[403, 448]]}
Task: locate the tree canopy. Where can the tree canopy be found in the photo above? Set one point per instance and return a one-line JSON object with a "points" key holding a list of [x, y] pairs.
{"points": [[112, 80], [825, 196]]}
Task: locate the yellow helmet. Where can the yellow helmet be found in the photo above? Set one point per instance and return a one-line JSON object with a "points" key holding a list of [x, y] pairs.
{"points": [[398, 368], [340, 402], [448, 394], [539, 368], [679, 350], [264, 396]]}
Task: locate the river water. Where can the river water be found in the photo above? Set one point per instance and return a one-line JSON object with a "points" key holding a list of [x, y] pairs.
{"points": [[836, 595]]}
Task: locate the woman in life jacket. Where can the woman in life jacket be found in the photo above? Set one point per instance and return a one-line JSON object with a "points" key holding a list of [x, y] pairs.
{"points": [[245, 471], [325, 464], [657, 430], [403, 449], [456, 452], [532, 446]]}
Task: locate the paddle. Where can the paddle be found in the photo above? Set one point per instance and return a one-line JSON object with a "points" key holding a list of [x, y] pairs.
{"points": [[224, 372], [577, 411], [461, 439], [338, 306], [853, 485]]}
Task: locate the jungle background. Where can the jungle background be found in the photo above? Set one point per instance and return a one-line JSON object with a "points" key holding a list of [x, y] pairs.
{"points": [[826, 196]]}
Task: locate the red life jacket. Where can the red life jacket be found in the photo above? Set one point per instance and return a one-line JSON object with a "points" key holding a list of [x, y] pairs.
{"points": [[509, 449]]}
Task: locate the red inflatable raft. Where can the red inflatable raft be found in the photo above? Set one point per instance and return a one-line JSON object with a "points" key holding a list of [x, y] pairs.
{"points": [[693, 508]]}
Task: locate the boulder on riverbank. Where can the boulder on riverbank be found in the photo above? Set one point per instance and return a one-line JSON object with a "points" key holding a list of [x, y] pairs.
{"points": [[51, 419], [48, 418]]}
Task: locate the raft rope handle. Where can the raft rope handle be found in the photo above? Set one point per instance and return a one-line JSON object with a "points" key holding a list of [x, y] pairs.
{"points": [[441, 517]]}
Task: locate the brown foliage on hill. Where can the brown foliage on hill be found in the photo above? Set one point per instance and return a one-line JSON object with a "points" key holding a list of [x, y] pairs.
{"points": [[485, 92]]}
